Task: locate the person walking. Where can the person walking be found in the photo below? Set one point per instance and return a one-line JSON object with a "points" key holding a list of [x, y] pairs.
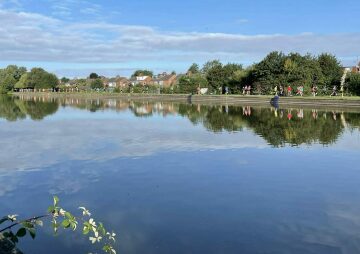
{"points": [[289, 90], [281, 91], [276, 90], [334, 91], [248, 92], [301, 90]]}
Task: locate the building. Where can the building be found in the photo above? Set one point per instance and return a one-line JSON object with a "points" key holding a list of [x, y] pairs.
{"points": [[122, 82], [141, 80], [356, 69], [118, 81], [165, 80], [111, 83]]}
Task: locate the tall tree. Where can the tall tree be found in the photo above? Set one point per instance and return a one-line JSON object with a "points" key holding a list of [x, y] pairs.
{"points": [[93, 75], [138, 73], [331, 69], [97, 84], [9, 77], [194, 68]]}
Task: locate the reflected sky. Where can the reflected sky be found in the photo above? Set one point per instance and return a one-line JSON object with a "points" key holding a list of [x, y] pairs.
{"points": [[172, 178]]}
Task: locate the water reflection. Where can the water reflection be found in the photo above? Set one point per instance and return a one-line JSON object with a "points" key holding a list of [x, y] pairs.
{"points": [[294, 126], [185, 178]]}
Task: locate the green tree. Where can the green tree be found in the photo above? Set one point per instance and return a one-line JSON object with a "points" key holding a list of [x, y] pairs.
{"points": [[64, 80], [353, 83], [331, 69], [270, 71], [194, 68], [96, 84], [191, 84], [138, 73], [93, 75], [38, 78], [9, 77], [22, 83]]}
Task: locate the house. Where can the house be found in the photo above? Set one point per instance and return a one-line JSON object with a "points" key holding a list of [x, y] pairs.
{"points": [[111, 83], [141, 80], [118, 81], [356, 69], [165, 80], [122, 82]]}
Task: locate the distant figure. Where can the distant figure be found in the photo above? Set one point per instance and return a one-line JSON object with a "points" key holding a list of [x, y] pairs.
{"points": [[275, 102], [300, 90], [334, 93], [281, 91], [276, 90], [289, 90], [248, 90], [244, 90], [314, 90]]}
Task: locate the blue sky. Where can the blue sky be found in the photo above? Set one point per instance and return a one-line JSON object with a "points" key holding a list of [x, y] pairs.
{"points": [[74, 37]]}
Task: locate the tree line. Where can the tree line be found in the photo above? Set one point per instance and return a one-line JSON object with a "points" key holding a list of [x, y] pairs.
{"points": [[276, 69], [14, 77]]}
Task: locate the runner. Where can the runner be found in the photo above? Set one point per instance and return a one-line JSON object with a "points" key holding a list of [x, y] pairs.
{"points": [[289, 90], [334, 93]]}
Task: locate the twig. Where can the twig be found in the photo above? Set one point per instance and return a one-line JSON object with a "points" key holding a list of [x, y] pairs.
{"points": [[20, 222]]}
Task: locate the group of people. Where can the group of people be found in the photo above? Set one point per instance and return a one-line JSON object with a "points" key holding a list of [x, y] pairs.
{"points": [[279, 91]]}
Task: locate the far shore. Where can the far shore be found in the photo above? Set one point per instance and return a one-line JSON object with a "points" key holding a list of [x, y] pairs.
{"points": [[250, 100]]}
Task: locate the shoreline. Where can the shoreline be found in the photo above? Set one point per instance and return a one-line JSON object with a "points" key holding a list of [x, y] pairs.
{"points": [[252, 100]]}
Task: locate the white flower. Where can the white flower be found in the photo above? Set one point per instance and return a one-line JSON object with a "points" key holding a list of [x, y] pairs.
{"points": [[39, 223], [111, 236], [92, 223], [75, 225], [96, 238], [12, 217], [62, 212], [85, 211]]}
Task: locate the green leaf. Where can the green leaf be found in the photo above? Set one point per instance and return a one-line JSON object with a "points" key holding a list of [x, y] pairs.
{"points": [[27, 224], [65, 223], [51, 209], [21, 232], [32, 233], [14, 239], [8, 234], [56, 200], [101, 229], [68, 215], [86, 230]]}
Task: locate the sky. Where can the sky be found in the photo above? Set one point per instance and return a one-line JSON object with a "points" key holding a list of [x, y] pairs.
{"points": [[114, 37]]}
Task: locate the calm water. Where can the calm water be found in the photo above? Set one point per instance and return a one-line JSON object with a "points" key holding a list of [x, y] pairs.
{"points": [[180, 178]]}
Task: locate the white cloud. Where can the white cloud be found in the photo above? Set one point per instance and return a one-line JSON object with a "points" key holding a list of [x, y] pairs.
{"points": [[35, 37]]}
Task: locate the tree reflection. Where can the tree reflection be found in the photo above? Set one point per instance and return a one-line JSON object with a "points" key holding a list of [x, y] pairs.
{"points": [[12, 108], [277, 126]]}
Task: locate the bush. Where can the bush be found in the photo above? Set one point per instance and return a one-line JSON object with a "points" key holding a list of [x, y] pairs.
{"points": [[353, 83]]}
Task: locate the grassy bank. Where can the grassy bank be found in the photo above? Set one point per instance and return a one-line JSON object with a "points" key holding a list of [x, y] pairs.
{"points": [[310, 101]]}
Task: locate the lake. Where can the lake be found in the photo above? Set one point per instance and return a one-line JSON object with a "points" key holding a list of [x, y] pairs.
{"points": [[183, 178]]}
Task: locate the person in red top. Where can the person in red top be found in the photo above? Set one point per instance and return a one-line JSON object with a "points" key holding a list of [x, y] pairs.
{"points": [[289, 89]]}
